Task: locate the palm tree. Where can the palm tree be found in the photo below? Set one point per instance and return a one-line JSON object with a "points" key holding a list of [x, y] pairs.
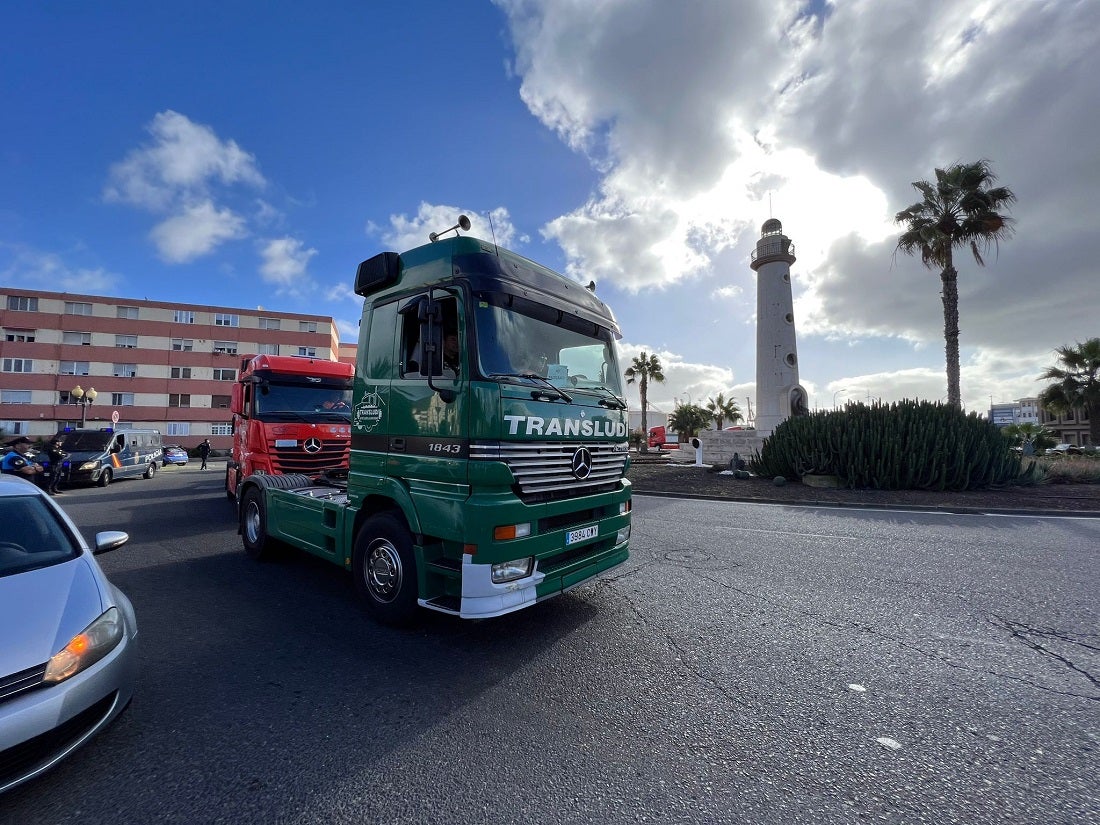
{"points": [[1020, 434], [687, 420], [643, 369], [962, 208], [1078, 386], [721, 410]]}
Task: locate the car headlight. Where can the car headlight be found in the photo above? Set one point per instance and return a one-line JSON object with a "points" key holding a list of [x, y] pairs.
{"points": [[89, 465], [87, 647]]}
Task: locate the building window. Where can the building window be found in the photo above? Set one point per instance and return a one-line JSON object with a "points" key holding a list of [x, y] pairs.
{"points": [[65, 397], [269, 349], [122, 399], [77, 308], [184, 316], [269, 323], [74, 368], [220, 402], [307, 326], [81, 338], [176, 399], [21, 303], [225, 375], [22, 336], [310, 352], [15, 396], [129, 313], [221, 429], [14, 427], [181, 372], [222, 319], [183, 344], [125, 370], [178, 428], [126, 341], [225, 347], [18, 365]]}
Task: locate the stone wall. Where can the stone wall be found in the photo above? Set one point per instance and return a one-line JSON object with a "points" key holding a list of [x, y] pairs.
{"points": [[720, 445]]}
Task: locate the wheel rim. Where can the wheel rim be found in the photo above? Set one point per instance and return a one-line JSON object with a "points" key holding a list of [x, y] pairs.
{"points": [[252, 522], [383, 572]]}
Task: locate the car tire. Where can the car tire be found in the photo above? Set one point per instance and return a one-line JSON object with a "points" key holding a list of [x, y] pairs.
{"points": [[151, 470], [257, 543], [384, 567], [105, 479]]}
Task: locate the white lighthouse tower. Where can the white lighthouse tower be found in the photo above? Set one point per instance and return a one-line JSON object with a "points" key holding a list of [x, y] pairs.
{"points": [[778, 393]]}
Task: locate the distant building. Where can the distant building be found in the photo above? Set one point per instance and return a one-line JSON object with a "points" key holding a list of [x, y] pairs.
{"points": [[1068, 429], [159, 365]]}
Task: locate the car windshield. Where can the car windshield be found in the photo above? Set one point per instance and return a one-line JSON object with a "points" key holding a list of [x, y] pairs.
{"points": [[33, 536], [565, 351]]}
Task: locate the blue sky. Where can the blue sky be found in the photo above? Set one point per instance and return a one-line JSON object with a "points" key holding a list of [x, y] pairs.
{"points": [[250, 154]]}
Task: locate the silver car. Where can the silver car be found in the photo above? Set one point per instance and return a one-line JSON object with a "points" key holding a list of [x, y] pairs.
{"points": [[68, 652]]}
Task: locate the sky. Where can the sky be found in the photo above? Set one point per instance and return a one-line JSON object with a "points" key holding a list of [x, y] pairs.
{"points": [[250, 154]]}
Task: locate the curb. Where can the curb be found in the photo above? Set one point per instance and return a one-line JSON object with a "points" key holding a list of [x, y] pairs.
{"points": [[849, 505]]}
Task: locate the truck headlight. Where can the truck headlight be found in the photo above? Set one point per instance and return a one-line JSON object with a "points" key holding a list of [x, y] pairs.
{"points": [[508, 571], [87, 647], [622, 535], [88, 465]]}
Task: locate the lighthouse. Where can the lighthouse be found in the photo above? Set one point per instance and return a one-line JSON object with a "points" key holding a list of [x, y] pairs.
{"points": [[778, 393]]}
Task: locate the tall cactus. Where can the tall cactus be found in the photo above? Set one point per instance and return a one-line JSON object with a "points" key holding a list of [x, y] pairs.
{"points": [[904, 445]]}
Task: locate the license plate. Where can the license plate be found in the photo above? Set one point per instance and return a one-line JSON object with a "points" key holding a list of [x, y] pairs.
{"points": [[573, 536]]}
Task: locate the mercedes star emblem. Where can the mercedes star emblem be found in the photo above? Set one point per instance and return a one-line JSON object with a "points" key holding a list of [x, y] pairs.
{"points": [[312, 445], [581, 464]]}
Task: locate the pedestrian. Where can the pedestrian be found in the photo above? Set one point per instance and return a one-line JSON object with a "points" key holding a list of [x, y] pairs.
{"points": [[57, 461], [17, 463], [204, 452]]}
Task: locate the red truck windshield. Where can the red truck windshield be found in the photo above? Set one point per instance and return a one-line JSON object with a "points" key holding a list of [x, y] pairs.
{"points": [[308, 402]]}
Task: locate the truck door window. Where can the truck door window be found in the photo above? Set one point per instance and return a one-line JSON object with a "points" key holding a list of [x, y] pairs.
{"points": [[414, 359]]}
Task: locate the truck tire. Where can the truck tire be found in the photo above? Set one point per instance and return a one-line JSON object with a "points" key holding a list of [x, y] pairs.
{"points": [[384, 567], [105, 479], [254, 535], [151, 470]]}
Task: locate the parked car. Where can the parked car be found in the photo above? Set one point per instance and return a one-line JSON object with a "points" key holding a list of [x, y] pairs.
{"points": [[69, 656], [1064, 449], [174, 454]]}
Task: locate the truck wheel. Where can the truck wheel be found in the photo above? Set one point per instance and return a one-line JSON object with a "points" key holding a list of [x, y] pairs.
{"points": [[151, 470], [105, 479], [385, 569], [257, 543]]}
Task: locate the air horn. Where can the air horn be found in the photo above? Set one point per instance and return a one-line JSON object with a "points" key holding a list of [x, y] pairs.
{"points": [[463, 224]]}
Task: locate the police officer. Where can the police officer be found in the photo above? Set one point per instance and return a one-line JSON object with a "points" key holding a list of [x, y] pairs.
{"points": [[57, 459], [17, 463]]}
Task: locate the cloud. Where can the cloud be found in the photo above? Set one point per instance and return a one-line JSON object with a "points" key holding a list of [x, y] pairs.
{"points": [[824, 120], [195, 231], [685, 381], [285, 265], [407, 233], [23, 266], [182, 174]]}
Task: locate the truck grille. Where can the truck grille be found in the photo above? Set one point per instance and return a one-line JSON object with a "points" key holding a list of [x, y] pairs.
{"points": [[545, 469], [334, 452]]}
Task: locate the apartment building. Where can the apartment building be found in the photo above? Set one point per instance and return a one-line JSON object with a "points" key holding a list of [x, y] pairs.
{"points": [[70, 359], [1072, 428]]}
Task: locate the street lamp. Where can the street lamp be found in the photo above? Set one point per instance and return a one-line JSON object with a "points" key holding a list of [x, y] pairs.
{"points": [[84, 398], [838, 392]]}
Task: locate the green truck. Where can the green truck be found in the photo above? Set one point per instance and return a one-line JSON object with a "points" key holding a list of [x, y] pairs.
{"points": [[488, 440]]}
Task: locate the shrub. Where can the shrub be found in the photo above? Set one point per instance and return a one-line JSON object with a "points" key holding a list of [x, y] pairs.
{"points": [[907, 445], [1070, 470]]}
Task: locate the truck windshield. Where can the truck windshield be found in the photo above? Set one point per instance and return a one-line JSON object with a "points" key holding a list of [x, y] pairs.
{"points": [[533, 340], [303, 402]]}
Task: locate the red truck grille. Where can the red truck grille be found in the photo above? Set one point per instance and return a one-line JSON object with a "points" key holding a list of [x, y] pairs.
{"points": [[331, 454]]}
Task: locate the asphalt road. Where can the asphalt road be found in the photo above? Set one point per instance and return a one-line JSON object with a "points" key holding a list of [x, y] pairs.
{"points": [[750, 663]]}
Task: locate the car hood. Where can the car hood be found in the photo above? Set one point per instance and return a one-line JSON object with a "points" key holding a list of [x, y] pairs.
{"points": [[81, 456], [45, 608]]}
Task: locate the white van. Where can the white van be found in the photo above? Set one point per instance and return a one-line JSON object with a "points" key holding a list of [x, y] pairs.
{"points": [[100, 456]]}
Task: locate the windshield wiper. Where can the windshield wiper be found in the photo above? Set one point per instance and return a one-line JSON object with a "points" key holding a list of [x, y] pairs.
{"points": [[612, 401], [552, 391], [281, 414]]}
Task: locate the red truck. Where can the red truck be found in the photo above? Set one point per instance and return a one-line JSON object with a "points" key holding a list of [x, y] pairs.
{"points": [[663, 438], [290, 415]]}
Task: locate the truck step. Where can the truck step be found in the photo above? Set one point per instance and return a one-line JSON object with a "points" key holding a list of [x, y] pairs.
{"points": [[447, 604]]}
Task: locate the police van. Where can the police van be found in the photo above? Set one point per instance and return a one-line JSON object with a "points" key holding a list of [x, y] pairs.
{"points": [[100, 456]]}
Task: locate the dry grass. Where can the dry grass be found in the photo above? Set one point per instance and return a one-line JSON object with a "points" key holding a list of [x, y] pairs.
{"points": [[1070, 469]]}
